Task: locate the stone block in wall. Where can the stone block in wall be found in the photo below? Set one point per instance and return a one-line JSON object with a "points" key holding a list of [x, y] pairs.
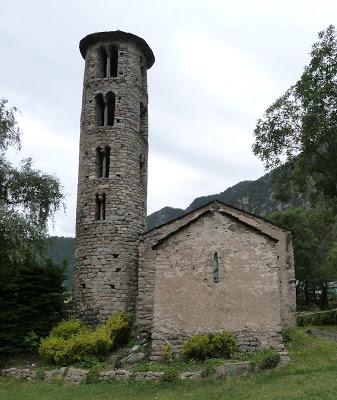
{"points": [[122, 374], [106, 375], [233, 369], [148, 376], [193, 376], [21, 373], [55, 374], [75, 375]]}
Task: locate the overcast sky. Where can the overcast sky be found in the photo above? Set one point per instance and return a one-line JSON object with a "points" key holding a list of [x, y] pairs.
{"points": [[219, 64]]}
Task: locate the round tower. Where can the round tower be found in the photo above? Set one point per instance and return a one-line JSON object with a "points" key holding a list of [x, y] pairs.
{"points": [[112, 178]]}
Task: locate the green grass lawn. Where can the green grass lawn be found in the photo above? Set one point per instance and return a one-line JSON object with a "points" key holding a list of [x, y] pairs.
{"points": [[312, 374]]}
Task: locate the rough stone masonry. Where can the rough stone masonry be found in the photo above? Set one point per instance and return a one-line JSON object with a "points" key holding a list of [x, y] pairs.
{"points": [[216, 268], [112, 179]]}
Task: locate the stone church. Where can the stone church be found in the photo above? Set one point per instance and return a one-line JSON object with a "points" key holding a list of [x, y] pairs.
{"points": [[215, 268]]}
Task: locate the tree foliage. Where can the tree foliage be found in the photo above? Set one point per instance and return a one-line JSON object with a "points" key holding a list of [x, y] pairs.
{"points": [[314, 233], [299, 130], [28, 197], [32, 302], [31, 291]]}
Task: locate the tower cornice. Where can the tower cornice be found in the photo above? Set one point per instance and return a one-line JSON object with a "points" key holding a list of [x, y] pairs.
{"points": [[117, 35]]}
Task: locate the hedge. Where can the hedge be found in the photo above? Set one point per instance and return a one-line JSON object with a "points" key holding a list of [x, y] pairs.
{"points": [[318, 318]]}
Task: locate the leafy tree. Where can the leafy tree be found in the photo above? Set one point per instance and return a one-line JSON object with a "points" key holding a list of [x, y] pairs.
{"points": [[299, 130], [32, 302], [28, 198], [315, 250], [31, 291]]}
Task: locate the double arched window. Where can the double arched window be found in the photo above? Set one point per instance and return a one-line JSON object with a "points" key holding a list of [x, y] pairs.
{"points": [[107, 62], [105, 109]]}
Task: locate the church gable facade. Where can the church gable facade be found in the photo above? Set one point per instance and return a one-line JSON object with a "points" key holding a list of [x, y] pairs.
{"points": [[215, 269]]}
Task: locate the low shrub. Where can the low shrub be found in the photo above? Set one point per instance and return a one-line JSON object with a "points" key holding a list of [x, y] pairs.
{"points": [[119, 327], [50, 347], [84, 345], [209, 366], [211, 345], [318, 318], [265, 359], [166, 353], [196, 347], [288, 335], [72, 342], [223, 344], [68, 328], [93, 374], [170, 375]]}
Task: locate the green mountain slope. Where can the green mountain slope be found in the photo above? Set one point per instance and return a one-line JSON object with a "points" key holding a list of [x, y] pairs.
{"points": [[253, 196], [61, 249]]}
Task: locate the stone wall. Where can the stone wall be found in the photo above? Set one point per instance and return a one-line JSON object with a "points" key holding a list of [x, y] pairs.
{"points": [[77, 375], [105, 277]]}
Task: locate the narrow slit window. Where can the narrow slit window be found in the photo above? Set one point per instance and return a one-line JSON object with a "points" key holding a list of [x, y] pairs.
{"points": [[215, 268], [142, 165], [100, 206], [143, 73], [110, 101], [113, 62], [99, 162], [99, 110], [104, 63], [102, 162], [142, 118], [106, 163]]}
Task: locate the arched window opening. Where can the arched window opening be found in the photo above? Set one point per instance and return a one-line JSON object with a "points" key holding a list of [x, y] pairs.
{"points": [[110, 101], [113, 58], [100, 206], [102, 62], [215, 268], [142, 118], [99, 110], [102, 162]]}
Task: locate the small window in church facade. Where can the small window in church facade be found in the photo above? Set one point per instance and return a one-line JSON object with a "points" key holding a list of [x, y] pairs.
{"points": [[215, 268]]}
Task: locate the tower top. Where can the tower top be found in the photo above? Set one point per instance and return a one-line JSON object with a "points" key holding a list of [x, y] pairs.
{"points": [[117, 35]]}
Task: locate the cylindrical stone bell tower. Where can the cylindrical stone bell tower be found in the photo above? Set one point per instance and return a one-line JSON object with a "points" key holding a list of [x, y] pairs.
{"points": [[112, 178]]}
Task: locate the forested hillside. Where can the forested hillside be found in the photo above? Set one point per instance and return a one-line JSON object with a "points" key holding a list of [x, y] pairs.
{"points": [[252, 196], [61, 249]]}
